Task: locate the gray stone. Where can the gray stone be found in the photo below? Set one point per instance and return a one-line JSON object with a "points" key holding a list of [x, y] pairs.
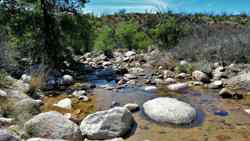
{"points": [[150, 88], [169, 110], [3, 93], [52, 125], [200, 76], [132, 107], [129, 76], [112, 123], [43, 139], [7, 136], [130, 53], [25, 109], [178, 86]]}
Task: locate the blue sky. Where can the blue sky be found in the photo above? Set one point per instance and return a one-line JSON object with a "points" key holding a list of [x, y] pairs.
{"points": [[189, 6]]}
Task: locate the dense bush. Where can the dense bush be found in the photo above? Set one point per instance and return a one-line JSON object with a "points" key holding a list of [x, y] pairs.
{"points": [[105, 40], [128, 35], [169, 32]]}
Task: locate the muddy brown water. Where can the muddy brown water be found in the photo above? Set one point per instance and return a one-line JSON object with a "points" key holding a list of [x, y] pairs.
{"points": [[217, 119]]}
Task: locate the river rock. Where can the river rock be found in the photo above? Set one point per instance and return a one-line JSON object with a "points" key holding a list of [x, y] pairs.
{"points": [[3, 93], [25, 109], [132, 107], [216, 84], [178, 86], [112, 123], [7, 136], [114, 139], [52, 125], [67, 79], [26, 78], [169, 110], [200, 76], [130, 53], [64, 103], [182, 76], [170, 81], [79, 93], [43, 139], [129, 76], [168, 74], [150, 88]]}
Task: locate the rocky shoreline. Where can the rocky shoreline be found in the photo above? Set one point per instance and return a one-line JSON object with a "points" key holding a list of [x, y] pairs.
{"points": [[22, 114]]}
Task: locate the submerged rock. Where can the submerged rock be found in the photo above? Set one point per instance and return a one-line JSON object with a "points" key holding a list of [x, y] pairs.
{"points": [[216, 84], [169, 110], [112, 123], [64, 103], [52, 125]]}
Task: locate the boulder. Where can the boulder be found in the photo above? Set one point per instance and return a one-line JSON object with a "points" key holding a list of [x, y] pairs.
{"points": [[168, 74], [178, 86], [67, 79], [114, 139], [130, 53], [3, 93], [7, 136], [25, 110], [52, 125], [129, 76], [150, 88], [64, 103], [43, 139], [170, 81], [200, 76], [169, 110], [112, 123], [26, 78], [79, 93], [132, 107]]}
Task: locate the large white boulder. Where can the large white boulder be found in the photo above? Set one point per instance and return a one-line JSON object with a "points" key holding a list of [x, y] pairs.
{"points": [[112, 123], [169, 110]]}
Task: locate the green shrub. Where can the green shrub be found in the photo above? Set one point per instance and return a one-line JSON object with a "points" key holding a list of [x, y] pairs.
{"points": [[105, 40], [187, 68], [128, 35], [168, 33], [3, 80]]}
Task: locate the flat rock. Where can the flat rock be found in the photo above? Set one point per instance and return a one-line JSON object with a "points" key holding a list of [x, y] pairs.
{"points": [[64, 103], [169, 110], [109, 124]]}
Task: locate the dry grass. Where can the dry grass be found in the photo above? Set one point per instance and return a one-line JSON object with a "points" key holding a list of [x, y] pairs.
{"points": [[38, 79]]}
